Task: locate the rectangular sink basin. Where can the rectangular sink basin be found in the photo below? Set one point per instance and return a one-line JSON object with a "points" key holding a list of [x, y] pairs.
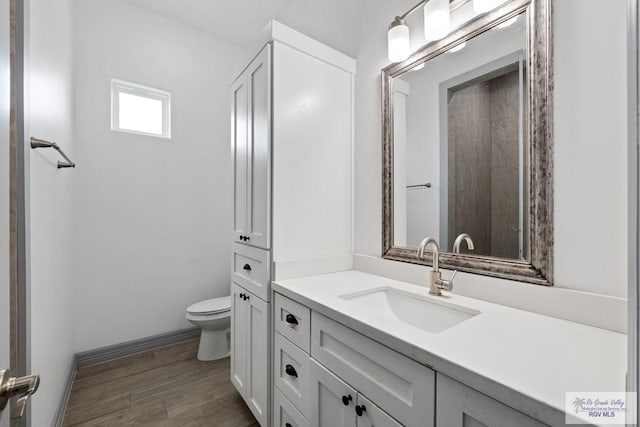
{"points": [[412, 309]]}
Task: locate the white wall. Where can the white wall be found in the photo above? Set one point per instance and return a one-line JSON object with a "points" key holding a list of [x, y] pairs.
{"points": [[153, 216], [590, 140], [333, 22], [51, 192]]}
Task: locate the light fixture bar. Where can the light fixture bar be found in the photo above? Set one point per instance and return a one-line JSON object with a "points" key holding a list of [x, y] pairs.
{"points": [[399, 43], [455, 4]]}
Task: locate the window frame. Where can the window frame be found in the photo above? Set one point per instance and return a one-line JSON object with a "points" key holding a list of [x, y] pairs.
{"points": [[122, 86]]}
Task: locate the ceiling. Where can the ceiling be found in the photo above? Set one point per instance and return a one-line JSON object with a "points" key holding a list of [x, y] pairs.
{"points": [[238, 21]]}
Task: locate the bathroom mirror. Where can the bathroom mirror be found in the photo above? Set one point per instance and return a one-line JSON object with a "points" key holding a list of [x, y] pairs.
{"points": [[467, 146]]}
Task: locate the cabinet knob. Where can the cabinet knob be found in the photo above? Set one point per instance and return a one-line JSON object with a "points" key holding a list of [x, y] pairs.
{"points": [[360, 410], [246, 297], [288, 425], [291, 371], [346, 400], [241, 296], [247, 267], [291, 319]]}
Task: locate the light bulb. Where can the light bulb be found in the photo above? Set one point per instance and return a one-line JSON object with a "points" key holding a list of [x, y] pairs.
{"points": [[437, 19], [458, 48], [399, 42], [482, 6]]}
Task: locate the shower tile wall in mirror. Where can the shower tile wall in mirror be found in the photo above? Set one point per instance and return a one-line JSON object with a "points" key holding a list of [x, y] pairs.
{"points": [[459, 152]]}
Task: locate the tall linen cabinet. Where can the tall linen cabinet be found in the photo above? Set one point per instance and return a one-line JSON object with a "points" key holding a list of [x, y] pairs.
{"points": [[292, 153]]}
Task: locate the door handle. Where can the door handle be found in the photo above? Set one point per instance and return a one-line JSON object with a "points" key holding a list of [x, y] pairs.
{"points": [[20, 387]]}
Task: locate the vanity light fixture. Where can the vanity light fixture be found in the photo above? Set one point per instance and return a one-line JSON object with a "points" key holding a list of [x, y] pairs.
{"points": [[437, 23], [399, 42]]}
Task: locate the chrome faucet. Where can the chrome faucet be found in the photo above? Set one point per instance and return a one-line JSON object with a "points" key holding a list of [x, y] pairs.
{"points": [[464, 237], [436, 283]]}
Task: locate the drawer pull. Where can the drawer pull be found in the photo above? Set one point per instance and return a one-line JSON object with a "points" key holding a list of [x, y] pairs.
{"points": [[346, 400], [291, 371], [288, 425], [247, 267], [245, 297], [241, 296], [360, 410], [291, 319]]}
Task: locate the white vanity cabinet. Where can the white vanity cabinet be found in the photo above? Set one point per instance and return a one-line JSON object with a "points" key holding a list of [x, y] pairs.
{"points": [[250, 350], [291, 143], [346, 379]]}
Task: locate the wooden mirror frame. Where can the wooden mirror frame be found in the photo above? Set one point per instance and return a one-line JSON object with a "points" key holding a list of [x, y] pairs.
{"points": [[538, 266]]}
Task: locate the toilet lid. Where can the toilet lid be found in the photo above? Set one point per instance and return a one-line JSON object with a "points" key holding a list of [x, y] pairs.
{"points": [[211, 306]]}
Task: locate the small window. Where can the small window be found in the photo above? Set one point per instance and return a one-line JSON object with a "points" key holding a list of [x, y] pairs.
{"points": [[140, 109]]}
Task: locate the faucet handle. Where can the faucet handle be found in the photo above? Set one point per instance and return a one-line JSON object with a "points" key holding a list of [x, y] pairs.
{"points": [[447, 284]]}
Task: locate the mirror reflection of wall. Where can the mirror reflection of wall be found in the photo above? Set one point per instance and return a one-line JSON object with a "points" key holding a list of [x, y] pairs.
{"points": [[459, 145]]}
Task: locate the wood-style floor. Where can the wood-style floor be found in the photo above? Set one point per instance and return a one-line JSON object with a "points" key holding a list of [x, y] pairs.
{"points": [[163, 387]]}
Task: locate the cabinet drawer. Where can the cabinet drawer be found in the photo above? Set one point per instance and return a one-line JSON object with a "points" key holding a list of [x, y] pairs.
{"points": [[250, 268], [461, 406], [400, 386], [285, 414], [293, 320], [291, 373]]}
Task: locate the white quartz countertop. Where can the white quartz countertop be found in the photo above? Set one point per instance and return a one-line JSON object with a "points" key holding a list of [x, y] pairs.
{"points": [[525, 360]]}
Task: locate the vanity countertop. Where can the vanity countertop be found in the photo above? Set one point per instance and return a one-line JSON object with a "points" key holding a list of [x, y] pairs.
{"points": [[525, 360]]}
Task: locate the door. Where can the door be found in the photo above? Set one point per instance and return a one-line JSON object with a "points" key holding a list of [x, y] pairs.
{"points": [[369, 415], [4, 196], [257, 396], [239, 338], [259, 153], [460, 406], [239, 151], [333, 402]]}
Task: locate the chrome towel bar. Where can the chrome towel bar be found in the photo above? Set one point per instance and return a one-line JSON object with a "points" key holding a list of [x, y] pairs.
{"points": [[41, 143], [427, 185]]}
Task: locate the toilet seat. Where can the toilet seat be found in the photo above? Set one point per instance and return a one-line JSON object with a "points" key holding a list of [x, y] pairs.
{"points": [[210, 306]]}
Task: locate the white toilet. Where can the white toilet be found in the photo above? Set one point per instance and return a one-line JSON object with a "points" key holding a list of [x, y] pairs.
{"points": [[213, 317]]}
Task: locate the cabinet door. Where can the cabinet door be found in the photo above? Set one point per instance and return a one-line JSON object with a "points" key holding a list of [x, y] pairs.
{"points": [[328, 397], [239, 152], [257, 391], [238, 339], [372, 416], [259, 153], [460, 406]]}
